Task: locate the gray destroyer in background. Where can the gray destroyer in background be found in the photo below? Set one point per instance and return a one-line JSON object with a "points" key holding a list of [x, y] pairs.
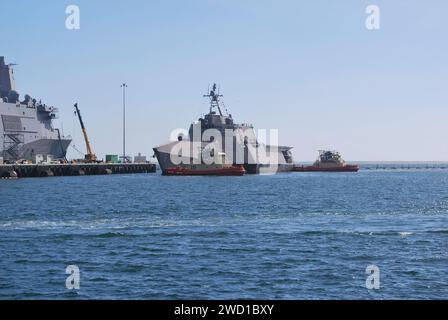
{"points": [[243, 141], [26, 129]]}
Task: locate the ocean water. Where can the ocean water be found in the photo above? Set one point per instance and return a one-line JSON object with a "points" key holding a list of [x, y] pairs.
{"points": [[288, 236]]}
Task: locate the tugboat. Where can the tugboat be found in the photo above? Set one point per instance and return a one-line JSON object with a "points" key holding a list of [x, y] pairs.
{"points": [[328, 161]]}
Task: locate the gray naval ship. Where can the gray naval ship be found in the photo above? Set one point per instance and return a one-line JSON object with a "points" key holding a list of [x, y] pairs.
{"points": [[26, 129], [245, 148]]}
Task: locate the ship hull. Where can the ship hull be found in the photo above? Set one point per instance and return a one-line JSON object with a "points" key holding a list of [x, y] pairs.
{"points": [[165, 163], [56, 148]]}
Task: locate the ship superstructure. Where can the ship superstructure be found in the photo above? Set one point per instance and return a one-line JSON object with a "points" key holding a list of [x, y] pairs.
{"points": [[237, 141], [329, 159], [26, 128]]}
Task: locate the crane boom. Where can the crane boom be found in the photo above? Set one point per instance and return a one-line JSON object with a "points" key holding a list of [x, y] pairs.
{"points": [[90, 156]]}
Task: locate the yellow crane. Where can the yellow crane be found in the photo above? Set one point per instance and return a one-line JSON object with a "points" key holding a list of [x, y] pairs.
{"points": [[90, 156]]}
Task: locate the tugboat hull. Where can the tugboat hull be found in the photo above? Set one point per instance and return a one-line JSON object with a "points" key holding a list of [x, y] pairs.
{"points": [[260, 168], [224, 171], [346, 168]]}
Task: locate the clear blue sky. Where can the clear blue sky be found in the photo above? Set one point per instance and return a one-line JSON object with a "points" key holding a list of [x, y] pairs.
{"points": [[309, 68]]}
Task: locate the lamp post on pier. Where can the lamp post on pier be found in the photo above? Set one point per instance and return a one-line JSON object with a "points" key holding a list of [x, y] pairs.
{"points": [[124, 86]]}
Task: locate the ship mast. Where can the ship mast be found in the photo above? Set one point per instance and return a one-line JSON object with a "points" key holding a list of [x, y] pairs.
{"points": [[214, 99]]}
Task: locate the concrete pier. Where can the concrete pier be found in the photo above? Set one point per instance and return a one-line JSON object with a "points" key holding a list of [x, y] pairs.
{"points": [[11, 171]]}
